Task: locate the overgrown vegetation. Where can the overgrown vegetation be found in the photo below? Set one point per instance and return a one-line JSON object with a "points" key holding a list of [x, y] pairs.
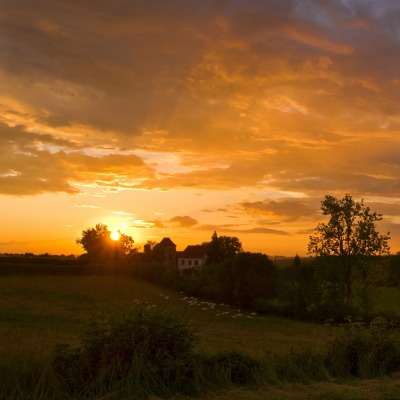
{"points": [[140, 353], [160, 350], [364, 350], [135, 354]]}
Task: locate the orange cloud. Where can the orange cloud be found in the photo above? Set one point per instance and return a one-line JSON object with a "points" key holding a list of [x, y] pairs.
{"points": [[184, 221]]}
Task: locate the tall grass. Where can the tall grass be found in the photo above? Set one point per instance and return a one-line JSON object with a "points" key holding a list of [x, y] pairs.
{"points": [[29, 375], [364, 350], [302, 365]]}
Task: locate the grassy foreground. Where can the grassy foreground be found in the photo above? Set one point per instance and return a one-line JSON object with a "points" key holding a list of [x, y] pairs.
{"points": [[357, 390], [37, 312]]}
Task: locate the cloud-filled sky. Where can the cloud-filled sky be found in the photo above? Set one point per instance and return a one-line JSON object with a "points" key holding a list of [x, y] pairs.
{"points": [[177, 118]]}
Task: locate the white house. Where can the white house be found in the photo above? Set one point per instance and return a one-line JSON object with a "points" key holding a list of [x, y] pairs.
{"points": [[193, 256]]}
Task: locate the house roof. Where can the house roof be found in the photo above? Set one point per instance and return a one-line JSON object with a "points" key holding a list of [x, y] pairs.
{"points": [[166, 242], [194, 251]]}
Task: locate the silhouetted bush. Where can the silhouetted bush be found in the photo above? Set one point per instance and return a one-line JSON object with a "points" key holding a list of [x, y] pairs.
{"points": [[364, 351], [235, 368], [146, 352]]}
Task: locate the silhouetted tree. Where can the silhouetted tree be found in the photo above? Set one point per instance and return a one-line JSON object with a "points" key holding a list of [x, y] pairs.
{"points": [[350, 235], [100, 247], [297, 261], [245, 278], [223, 247], [149, 246]]}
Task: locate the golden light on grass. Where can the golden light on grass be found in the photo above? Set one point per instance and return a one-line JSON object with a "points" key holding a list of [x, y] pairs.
{"points": [[115, 235]]}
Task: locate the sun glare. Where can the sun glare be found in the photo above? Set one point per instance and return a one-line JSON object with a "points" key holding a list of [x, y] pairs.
{"points": [[115, 235]]}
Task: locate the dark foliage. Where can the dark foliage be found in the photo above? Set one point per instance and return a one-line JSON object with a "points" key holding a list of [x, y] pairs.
{"points": [[152, 352], [101, 248], [243, 279], [364, 350], [351, 236], [235, 367], [222, 248]]}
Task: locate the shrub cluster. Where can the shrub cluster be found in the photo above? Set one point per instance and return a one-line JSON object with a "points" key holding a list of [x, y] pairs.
{"points": [[140, 352], [364, 350], [233, 367], [155, 353]]}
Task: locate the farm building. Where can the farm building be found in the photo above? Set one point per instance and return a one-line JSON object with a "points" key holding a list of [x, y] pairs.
{"points": [[193, 256], [166, 250]]}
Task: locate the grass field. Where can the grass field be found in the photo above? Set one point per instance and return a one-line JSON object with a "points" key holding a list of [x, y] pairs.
{"points": [[37, 312], [54, 309]]}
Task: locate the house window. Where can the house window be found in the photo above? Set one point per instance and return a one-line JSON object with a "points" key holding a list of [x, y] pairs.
{"points": [[182, 262], [190, 262], [196, 262]]}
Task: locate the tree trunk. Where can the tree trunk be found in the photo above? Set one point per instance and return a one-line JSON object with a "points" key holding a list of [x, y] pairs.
{"points": [[349, 289]]}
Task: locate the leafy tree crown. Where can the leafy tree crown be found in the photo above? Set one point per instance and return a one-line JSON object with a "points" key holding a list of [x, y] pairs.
{"points": [[350, 231]]}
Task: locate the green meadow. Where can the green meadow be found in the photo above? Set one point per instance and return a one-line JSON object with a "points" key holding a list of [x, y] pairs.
{"points": [[39, 311]]}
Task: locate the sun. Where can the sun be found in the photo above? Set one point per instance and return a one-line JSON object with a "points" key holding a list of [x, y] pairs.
{"points": [[115, 235]]}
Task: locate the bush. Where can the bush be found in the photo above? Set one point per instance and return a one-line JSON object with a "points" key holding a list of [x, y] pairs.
{"points": [[141, 352], [234, 368], [364, 351]]}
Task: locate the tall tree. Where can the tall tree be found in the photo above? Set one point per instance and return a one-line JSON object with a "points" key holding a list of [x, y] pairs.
{"points": [[223, 247], [350, 235], [99, 246]]}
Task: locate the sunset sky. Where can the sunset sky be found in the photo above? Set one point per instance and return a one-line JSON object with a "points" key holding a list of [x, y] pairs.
{"points": [[175, 118]]}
